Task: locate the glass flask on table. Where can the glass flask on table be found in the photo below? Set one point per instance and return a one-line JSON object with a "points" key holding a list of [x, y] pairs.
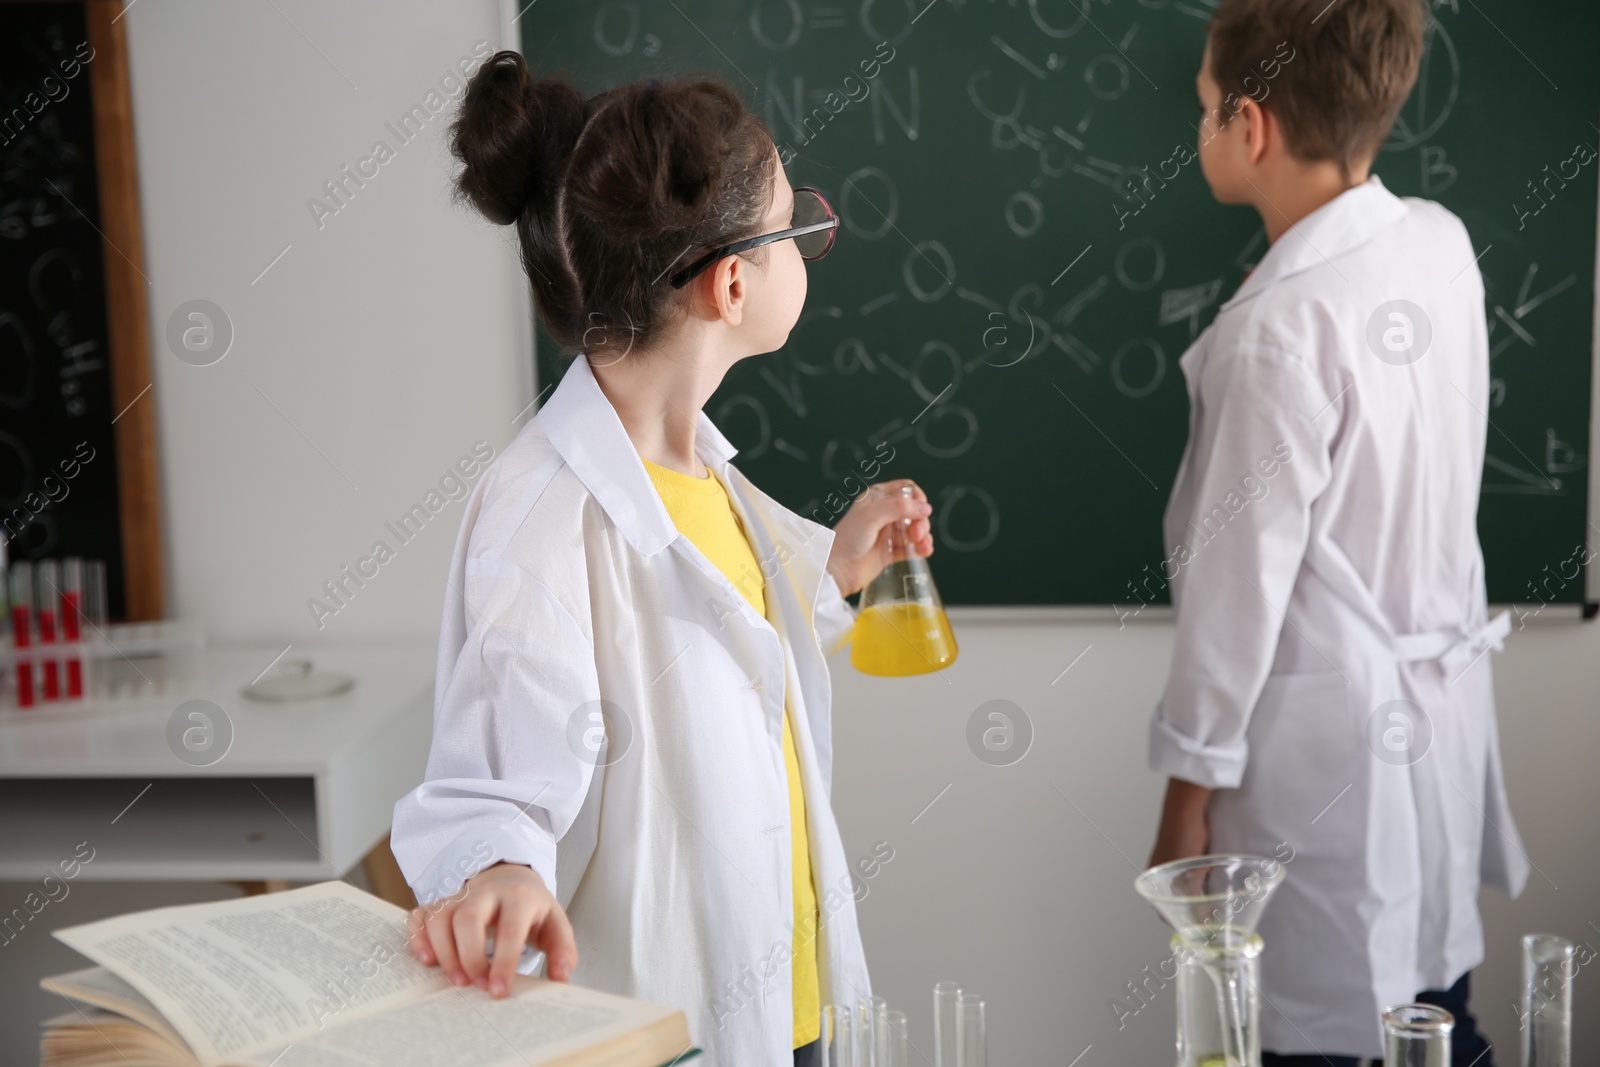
{"points": [[901, 628]]}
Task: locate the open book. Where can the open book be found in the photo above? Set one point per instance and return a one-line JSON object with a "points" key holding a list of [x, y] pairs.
{"points": [[321, 977]]}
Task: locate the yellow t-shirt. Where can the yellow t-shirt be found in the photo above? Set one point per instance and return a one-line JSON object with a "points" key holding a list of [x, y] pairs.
{"points": [[702, 512]]}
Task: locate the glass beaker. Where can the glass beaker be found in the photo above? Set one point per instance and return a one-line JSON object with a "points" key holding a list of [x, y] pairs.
{"points": [[1204, 980], [1417, 1035], [1549, 964], [901, 628]]}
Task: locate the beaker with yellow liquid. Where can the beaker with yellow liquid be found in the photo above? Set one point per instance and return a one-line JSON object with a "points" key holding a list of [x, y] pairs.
{"points": [[901, 628]]}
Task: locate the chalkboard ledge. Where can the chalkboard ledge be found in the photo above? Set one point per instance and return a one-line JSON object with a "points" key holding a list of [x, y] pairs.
{"points": [[1129, 613], [1523, 615]]}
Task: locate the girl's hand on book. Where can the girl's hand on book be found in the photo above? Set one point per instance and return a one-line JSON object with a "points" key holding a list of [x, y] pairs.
{"points": [[511, 901], [861, 537]]}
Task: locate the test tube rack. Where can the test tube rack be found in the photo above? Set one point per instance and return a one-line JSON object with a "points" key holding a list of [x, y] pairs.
{"points": [[119, 663]]}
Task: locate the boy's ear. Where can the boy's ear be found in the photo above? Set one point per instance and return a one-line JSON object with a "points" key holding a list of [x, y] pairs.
{"points": [[1260, 130]]}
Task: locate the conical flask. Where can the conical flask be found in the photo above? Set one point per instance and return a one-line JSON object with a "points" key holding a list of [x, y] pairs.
{"points": [[1214, 903], [901, 628]]}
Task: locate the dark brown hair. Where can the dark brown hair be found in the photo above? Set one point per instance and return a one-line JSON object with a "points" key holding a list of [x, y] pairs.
{"points": [[1350, 65], [608, 192]]}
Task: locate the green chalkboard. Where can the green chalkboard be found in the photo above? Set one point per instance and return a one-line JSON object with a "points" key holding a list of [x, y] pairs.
{"points": [[996, 312]]}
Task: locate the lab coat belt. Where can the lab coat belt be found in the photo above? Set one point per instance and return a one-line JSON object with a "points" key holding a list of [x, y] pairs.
{"points": [[1456, 649]]}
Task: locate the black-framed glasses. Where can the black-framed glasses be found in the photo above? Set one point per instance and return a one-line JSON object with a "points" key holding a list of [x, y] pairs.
{"points": [[815, 226]]}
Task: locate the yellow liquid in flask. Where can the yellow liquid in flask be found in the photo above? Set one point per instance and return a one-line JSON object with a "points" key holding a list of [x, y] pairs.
{"points": [[902, 638]]}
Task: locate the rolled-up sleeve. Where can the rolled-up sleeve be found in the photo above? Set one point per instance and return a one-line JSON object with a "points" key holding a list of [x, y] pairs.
{"points": [[510, 765], [1243, 548], [1177, 755]]}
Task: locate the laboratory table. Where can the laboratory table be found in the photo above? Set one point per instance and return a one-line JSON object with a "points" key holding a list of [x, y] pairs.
{"points": [[303, 792]]}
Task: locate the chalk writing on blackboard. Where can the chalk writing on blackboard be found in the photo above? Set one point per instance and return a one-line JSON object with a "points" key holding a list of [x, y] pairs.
{"points": [[727, 416], [1141, 263], [980, 260], [1438, 86], [614, 43], [881, 209], [1126, 373], [50, 90], [956, 529]]}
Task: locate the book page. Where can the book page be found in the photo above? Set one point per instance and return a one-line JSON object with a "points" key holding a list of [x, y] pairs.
{"points": [[90, 1037], [98, 986], [541, 1022], [238, 976]]}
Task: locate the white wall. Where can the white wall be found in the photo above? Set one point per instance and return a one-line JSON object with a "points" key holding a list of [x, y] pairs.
{"points": [[391, 340], [1007, 887], [368, 359]]}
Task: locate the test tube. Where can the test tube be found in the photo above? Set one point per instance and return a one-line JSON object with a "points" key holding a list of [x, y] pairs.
{"points": [[946, 1024], [893, 1045], [22, 627], [840, 1043], [5, 614], [1549, 964], [47, 593], [973, 1031], [72, 620], [1417, 1035], [870, 1011], [96, 603]]}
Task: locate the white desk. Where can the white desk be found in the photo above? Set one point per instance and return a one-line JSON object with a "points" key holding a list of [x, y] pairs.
{"points": [[303, 794]]}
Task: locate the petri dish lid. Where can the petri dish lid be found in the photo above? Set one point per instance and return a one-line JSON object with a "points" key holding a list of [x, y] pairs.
{"points": [[295, 682]]}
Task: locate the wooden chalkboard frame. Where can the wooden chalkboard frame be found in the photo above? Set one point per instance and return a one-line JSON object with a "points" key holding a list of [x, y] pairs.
{"points": [[127, 312], [1591, 600]]}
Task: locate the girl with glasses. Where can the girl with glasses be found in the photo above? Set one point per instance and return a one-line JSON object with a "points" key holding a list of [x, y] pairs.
{"points": [[632, 745]]}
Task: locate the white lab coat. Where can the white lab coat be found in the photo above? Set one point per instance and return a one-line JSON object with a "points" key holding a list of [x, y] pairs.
{"points": [[1326, 511], [669, 847]]}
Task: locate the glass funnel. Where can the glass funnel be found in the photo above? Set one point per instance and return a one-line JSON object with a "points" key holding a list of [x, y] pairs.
{"points": [[901, 628], [1213, 903]]}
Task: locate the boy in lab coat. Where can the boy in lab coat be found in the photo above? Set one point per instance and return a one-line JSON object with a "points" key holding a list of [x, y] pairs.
{"points": [[1330, 701]]}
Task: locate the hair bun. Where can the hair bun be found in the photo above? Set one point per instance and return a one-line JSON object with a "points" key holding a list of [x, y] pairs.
{"points": [[607, 193], [515, 134]]}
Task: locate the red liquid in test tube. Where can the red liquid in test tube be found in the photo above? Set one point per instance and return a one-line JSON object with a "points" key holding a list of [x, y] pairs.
{"points": [[49, 590], [22, 627], [71, 619]]}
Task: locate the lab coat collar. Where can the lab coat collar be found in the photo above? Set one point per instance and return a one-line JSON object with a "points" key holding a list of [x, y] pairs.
{"points": [[585, 429], [1348, 221]]}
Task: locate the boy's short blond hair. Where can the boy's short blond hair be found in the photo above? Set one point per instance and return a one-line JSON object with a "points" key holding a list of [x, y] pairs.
{"points": [[1352, 65]]}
